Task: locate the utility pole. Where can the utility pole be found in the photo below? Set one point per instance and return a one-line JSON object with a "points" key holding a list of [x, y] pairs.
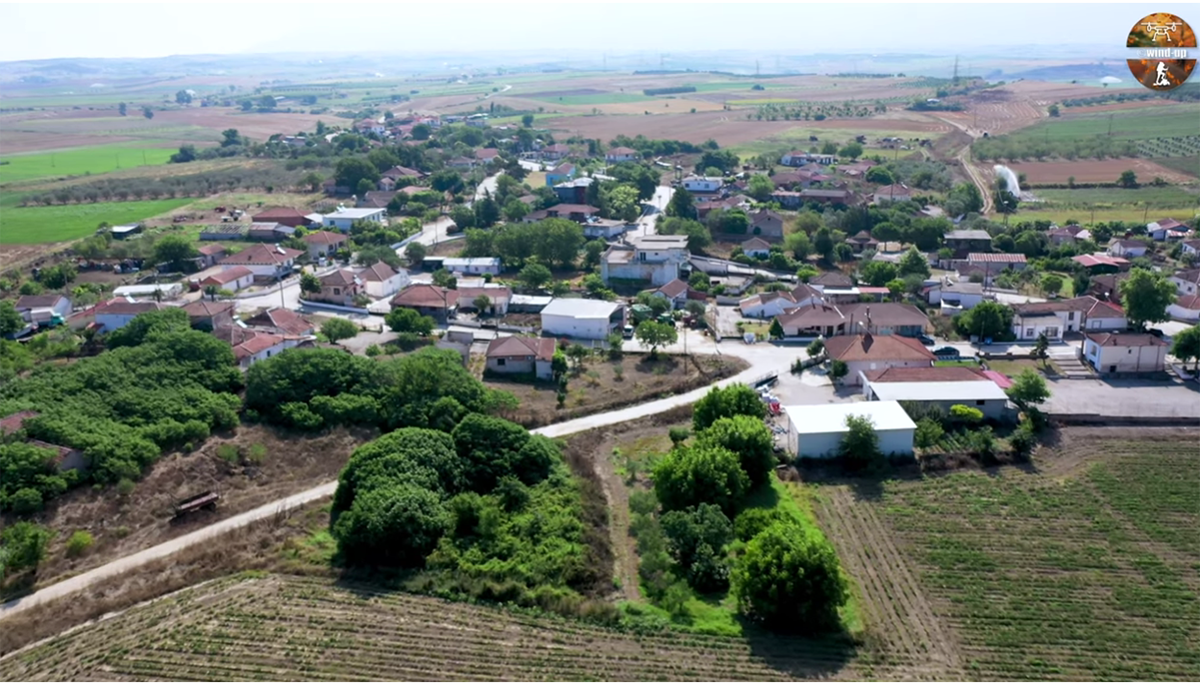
{"points": [[955, 69]]}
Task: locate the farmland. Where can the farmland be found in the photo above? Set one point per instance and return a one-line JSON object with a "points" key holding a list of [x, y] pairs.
{"points": [[1145, 203], [39, 224], [81, 161]]}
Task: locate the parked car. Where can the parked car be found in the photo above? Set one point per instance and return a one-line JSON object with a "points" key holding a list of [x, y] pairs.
{"points": [[627, 332], [947, 353], [926, 340]]}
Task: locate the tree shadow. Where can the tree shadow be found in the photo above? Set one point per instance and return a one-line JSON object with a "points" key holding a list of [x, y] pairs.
{"points": [[668, 363], [800, 656]]}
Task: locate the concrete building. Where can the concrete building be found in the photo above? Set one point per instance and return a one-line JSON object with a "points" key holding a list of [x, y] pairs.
{"points": [[938, 387], [35, 308], [343, 217], [955, 295], [431, 300], [1185, 308], [521, 356], [117, 313], [756, 247], [165, 291], [1131, 352], [1055, 318], [232, 279], [618, 154], [1127, 249], [816, 431], [583, 318], [324, 244], [270, 262], [498, 296], [472, 266], [697, 183], [339, 287], [653, 258], [382, 280]]}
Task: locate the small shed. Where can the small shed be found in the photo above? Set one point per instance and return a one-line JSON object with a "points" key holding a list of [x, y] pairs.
{"points": [[816, 431]]}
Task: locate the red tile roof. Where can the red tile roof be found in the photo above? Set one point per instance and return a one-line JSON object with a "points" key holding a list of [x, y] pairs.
{"points": [[276, 214], [756, 244], [339, 277], [379, 272], [426, 296], [1125, 339], [876, 347], [930, 374], [995, 258], [256, 344], [122, 307], [207, 309], [226, 276], [212, 249], [1191, 303], [38, 301], [999, 378], [493, 293], [283, 319], [1090, 260], [324, 237], [673, 288], [519, 347], [261, 254]]}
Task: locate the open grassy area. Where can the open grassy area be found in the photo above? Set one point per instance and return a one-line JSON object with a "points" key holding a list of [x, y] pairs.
{"points": [[1129, 124], [1086, 215], [80, 161], [1014, 367], [38, 224], [1091, 576], [1169, 196]]}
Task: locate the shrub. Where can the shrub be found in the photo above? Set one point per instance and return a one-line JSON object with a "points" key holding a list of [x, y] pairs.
{"points": [[696, 540], [679, 434], [789, 578], [735, 399], [26, 501], [22, 546], [752, 522], [692, 475], [860, 446], [965, 415], [257, 454], [79, 543], [750, 439], [928, 433], [125, 487], [228, 452], [396, 525], [1023, 440]]}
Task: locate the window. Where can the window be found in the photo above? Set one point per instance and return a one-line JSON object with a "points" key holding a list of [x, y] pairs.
{"points": [[1028, 331], [979, 403], [1071, 315], [336, 291], [499, 361], [1051, 332]]}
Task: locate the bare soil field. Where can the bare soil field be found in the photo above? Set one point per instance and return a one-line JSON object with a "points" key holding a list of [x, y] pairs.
{"points": [[122, 525], [1093, 171]]}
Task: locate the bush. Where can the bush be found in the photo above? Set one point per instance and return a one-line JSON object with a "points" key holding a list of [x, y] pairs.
{"points": [[79, 543], [965, 415], [22, 546], [735, 399], [696, 539], [750, 439], [691, 475], [928, 433], [125, 487], [789, 578], [1023, 440], [752, 522], [26, 501], [396, 525], [257, 454], [679, 434], [229, 453], [860, 446]]}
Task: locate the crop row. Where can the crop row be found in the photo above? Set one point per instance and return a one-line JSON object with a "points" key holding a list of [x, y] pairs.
{"points": [[1182, 146]]}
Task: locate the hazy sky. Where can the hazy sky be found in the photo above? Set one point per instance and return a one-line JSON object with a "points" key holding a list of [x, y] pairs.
{"points": [[39, 31]]}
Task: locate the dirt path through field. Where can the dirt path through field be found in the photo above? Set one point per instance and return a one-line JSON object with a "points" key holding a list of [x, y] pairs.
{"points": [[623, 544]]}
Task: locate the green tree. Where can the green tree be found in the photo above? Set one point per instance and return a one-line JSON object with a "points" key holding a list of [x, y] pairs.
{"points": [[415, 253], [880, 175], [655, 334], [696, 539], [534, 276], [829, 147], [697, 233], [913, 262], [1053, 111], [798, 245], [750, 439], [11, 322], [838, 369], [691, 475], [310, 283], [1186, 346], [593, 250], [987, 320], [1052, 283], [147, 326], [22, 546], [776, 329], [823, 244], [577, 353], [407, 320], [444, 278], [397, 525], [621, 202], [350, 170], [895, 288], [559, 241], [421, 131], [1028, 389], [1146, 295], [122, 109], [1128, 179], [789, 578], [735, 399], [682, 204], [760, 187], [527, 120], [878, 273], [816, 348], [487, 212], [337, 329], [558, 367], [148, 112], [375, 253], [859, 448], [852, 150], [928, 433], [1041, 348], [174, 250]]}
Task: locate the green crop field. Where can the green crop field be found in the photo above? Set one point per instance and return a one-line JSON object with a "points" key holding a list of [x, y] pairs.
{"points": [[600, 98], [1099, 214], [80, 161], [1129, 124], [38, 224], [1169, 196], [1094, 575]]}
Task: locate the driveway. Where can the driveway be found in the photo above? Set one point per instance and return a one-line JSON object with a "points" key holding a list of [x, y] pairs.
{"points": [[1125, 397]]}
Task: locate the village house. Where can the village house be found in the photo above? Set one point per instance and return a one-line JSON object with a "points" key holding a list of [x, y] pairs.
{"points": [[1166, 229], [817, 431], [773, 304], [863, 353], [618, 154], [366, 126], [698, 183], [573, 191], [756, 247], [580, 213], [992, 263], [324, 244], [857, 169], [1055, 318], [284, 216], [795, 158], [1130, 352], [381, 280], [604, 228], [1101, 263], [708, 204], [940, 388], [1107, 287], [397, 173], [555, 152], [43, 307], [833, 279], [343, 217], [377, 199], [679, 293], [436, 302], [498, 299], [209, 315], [282, 321], [767, 224], [265, 262], [210, 254], [656, 258], [487, 155], [232, 279], [582, 318], [787, 199], [339, 287], [1190, 247], [963, 242], [269, 232], [473, 266], [1186, 308], [1127, 249], [560, 174], [835, 197], [891, 193], [1186, 282], [955, 296], [64, 458], [119, 312], [1067, 234], [461, 163], [862, 241], [521, 356], [251, 346]]}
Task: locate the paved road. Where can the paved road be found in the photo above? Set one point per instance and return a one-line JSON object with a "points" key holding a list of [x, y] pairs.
{"points": [[762, 358], [487, 186], [658, 203]]}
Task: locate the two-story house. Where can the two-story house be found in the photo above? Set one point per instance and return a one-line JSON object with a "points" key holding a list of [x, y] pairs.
{"points": [[653, 258], [343, 217], [1055, 318], [380, 280], [560, 174], [339, 287]]}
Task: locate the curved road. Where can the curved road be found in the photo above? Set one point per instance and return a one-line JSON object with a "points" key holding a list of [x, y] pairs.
{"points": [[760, 363], [964, 158]]}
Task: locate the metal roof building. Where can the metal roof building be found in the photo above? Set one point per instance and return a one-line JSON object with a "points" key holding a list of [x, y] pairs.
{"points": [[816, 431]]}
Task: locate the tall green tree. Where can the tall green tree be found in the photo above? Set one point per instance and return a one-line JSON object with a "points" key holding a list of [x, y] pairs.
{"points": [[735, 399], [760, 187], [750, 439], [691, 475], [913, 262], [1146, 295], [655, 334], [988, 319], [535, 276], [682, 204], [1028, 389], [11, 321], [350, 170], [408, 320], [789, 578], [337, 329], [559, 241], [174, 250], [1187, 346], [22, 546]]}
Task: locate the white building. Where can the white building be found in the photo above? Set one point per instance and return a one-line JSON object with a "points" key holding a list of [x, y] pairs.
{"points": [[168, 290], [382, 280], [618, 154], [261, 346], [233, 279], [696, 183], [1066, 315], [343, 217], [816, 431], [1127, 249], [1187, 282], [473, 266], [43, 307], [983, 394], [656, 258], [117, 313], [1185, 308], [1132, 352], [273, 261], [956, 295], [583, 318]]}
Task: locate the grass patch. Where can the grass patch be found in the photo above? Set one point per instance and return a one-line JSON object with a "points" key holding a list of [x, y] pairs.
{"points": [[39, 224], [1189, 164], [1063, 216], [1014, 367], [80, 161], [1168, 196], [1130, 124], [955, 364]]}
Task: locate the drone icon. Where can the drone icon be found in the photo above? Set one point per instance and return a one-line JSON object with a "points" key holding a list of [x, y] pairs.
{"points": [[1159, 30]]}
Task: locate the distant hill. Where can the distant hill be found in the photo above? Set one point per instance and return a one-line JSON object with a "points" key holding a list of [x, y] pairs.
{"points": [[1072, 72]]}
